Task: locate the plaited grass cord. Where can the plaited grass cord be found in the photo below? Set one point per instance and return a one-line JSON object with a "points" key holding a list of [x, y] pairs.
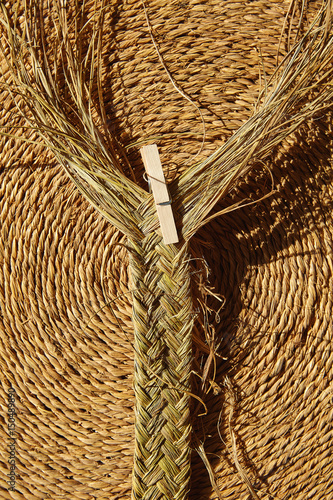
{"points": [[162, 318], [162, 311]]}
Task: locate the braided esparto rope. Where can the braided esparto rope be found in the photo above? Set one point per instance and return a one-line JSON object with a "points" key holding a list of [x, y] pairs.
{"points": [[163, 320], [162, 307]]}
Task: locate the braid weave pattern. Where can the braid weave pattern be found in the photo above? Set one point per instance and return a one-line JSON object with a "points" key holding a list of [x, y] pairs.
{"points": [[163, 320]]}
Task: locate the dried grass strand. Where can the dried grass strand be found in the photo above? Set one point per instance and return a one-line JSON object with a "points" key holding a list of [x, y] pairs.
{"points": [[299, 89]]}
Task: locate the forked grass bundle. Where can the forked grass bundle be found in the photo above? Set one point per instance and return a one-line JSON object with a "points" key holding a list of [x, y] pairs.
{"points": [[55, 82]]}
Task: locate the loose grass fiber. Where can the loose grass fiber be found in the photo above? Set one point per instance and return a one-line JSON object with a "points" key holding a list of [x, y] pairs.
{"points": [[163, 311]]}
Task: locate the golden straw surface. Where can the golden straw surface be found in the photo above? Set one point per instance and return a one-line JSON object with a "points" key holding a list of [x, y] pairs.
{"points": [[262, 366], [163, 319]]}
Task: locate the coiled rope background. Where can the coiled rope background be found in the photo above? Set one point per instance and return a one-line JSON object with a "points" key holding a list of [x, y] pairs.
{"points": [[65, 295]]}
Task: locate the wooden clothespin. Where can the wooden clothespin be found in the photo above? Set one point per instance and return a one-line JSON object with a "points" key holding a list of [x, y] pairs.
{"points": [[153, 166]]}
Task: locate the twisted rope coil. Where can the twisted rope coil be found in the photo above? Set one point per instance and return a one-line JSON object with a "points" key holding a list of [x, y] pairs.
{"points": [[139, 234]]}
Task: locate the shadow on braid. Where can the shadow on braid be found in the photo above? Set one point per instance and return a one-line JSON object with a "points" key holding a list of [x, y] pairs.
{"points": [[268, 368]]}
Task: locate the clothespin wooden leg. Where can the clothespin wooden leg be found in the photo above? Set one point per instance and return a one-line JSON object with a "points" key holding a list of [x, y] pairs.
{"points": [[153, 166]]}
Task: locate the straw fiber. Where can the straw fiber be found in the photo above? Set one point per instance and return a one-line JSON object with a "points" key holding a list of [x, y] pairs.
{"points": [[163, 321], [261, 365]]}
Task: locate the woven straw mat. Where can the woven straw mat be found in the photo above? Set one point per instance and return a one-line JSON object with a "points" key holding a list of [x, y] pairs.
{"points": [[65, 301]]}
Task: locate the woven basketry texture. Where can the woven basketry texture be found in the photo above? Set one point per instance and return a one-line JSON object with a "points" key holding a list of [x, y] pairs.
{"points": [[66, 296], [163, 321]]}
